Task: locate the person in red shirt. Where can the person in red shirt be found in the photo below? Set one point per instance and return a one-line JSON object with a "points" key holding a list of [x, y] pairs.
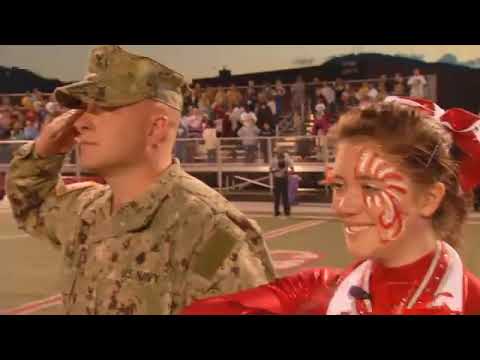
{"points": [[399, 193]]}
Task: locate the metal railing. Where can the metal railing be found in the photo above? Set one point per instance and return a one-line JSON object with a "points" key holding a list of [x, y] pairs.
{"points": [[233, 156]]}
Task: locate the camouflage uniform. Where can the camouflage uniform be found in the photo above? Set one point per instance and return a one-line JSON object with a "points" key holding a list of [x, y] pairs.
{"points": [[179, 242]]}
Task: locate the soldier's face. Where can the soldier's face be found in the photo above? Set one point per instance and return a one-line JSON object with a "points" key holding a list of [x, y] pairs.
{"points": [[112, 139], [375, 199]]}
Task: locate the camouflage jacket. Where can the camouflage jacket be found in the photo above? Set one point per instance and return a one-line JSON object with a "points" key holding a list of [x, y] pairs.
{"points": [[180, 242]]}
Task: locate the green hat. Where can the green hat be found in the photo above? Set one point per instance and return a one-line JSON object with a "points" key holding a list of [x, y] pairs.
{"points": [[118, 78]]}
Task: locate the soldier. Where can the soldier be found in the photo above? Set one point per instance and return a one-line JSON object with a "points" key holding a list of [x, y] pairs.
{"points": [[154, 239]]}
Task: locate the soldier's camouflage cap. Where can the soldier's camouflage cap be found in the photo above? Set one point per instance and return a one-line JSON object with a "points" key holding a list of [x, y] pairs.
{"points": [[118, 78]]}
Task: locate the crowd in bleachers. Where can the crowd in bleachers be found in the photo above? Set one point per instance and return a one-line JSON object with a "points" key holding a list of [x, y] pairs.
{"points": [[22, 118], [302, 108], [232, 108], [242, 113]]}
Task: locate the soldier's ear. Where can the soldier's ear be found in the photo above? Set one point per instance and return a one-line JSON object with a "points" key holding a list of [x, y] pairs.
{"points": [[158, 131]]}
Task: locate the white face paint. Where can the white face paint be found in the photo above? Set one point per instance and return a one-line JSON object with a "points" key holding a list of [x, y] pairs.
{"points": [[371, 198], [390, 221]]}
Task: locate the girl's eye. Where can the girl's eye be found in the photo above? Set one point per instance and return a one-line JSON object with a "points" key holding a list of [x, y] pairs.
{"points": [[336, 186], [370, 188]]}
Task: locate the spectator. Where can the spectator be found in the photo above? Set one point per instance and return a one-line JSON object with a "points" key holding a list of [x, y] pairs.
{"points": [[220, 117], [39, 109], [234, 97], [320, 129], [248, 116], [249, 133], [272, 105], [220, 98], [329, 95], [266, 131], [204, 104], [251, 91], [196, 94], [4, 127], [251, 96], [314, 90], [321, 122], [417, 84], [319, 98], [316, 96], [267, 90], [195, 124], [362, 93], [197, 90], [53, 110], [31, 130], [211, 94], [227, 128], [235, 117], [339, 89], [351, 97], [5, 119], [264, 114], [382, 92], [281, 164], [17, 132], [279, 95], [181, 146], [52, 106], [36, 95], [372, 92], [385, 85], [211, 141], [188, 99], [382, 88], [27, 101], [399, 86], [298, 96]]}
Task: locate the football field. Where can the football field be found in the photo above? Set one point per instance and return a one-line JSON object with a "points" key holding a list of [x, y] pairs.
{"points": [[31, 268]]}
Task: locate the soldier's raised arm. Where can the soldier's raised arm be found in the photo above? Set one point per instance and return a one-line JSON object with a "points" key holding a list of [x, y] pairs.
{"points": [[36, 192]]}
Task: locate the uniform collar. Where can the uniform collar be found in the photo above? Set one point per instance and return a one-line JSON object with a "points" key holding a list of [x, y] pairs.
{"points": [[139, 213]]}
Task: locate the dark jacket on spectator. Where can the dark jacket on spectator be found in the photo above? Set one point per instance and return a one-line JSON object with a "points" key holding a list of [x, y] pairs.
{"points": [[265, 115]]}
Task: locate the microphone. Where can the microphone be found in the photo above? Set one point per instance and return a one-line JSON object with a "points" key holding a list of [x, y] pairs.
{"points": [[358, 293]]}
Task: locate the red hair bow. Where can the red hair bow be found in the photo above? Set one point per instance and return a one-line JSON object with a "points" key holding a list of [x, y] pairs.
{"points": [[465, 129]]}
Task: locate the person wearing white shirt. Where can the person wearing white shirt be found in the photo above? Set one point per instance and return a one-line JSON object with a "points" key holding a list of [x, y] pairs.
{"points": [[211, 141], [372, 93], [417, 84]]}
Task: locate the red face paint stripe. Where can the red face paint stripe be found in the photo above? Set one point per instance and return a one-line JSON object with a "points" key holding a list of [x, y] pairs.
{"points": [[393, 208], [397, 188], [393, 176], [399, 223]]}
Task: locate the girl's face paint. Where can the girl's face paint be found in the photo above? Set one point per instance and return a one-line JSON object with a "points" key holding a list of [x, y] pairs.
{"points": [[384, 201], [371, 198]]}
